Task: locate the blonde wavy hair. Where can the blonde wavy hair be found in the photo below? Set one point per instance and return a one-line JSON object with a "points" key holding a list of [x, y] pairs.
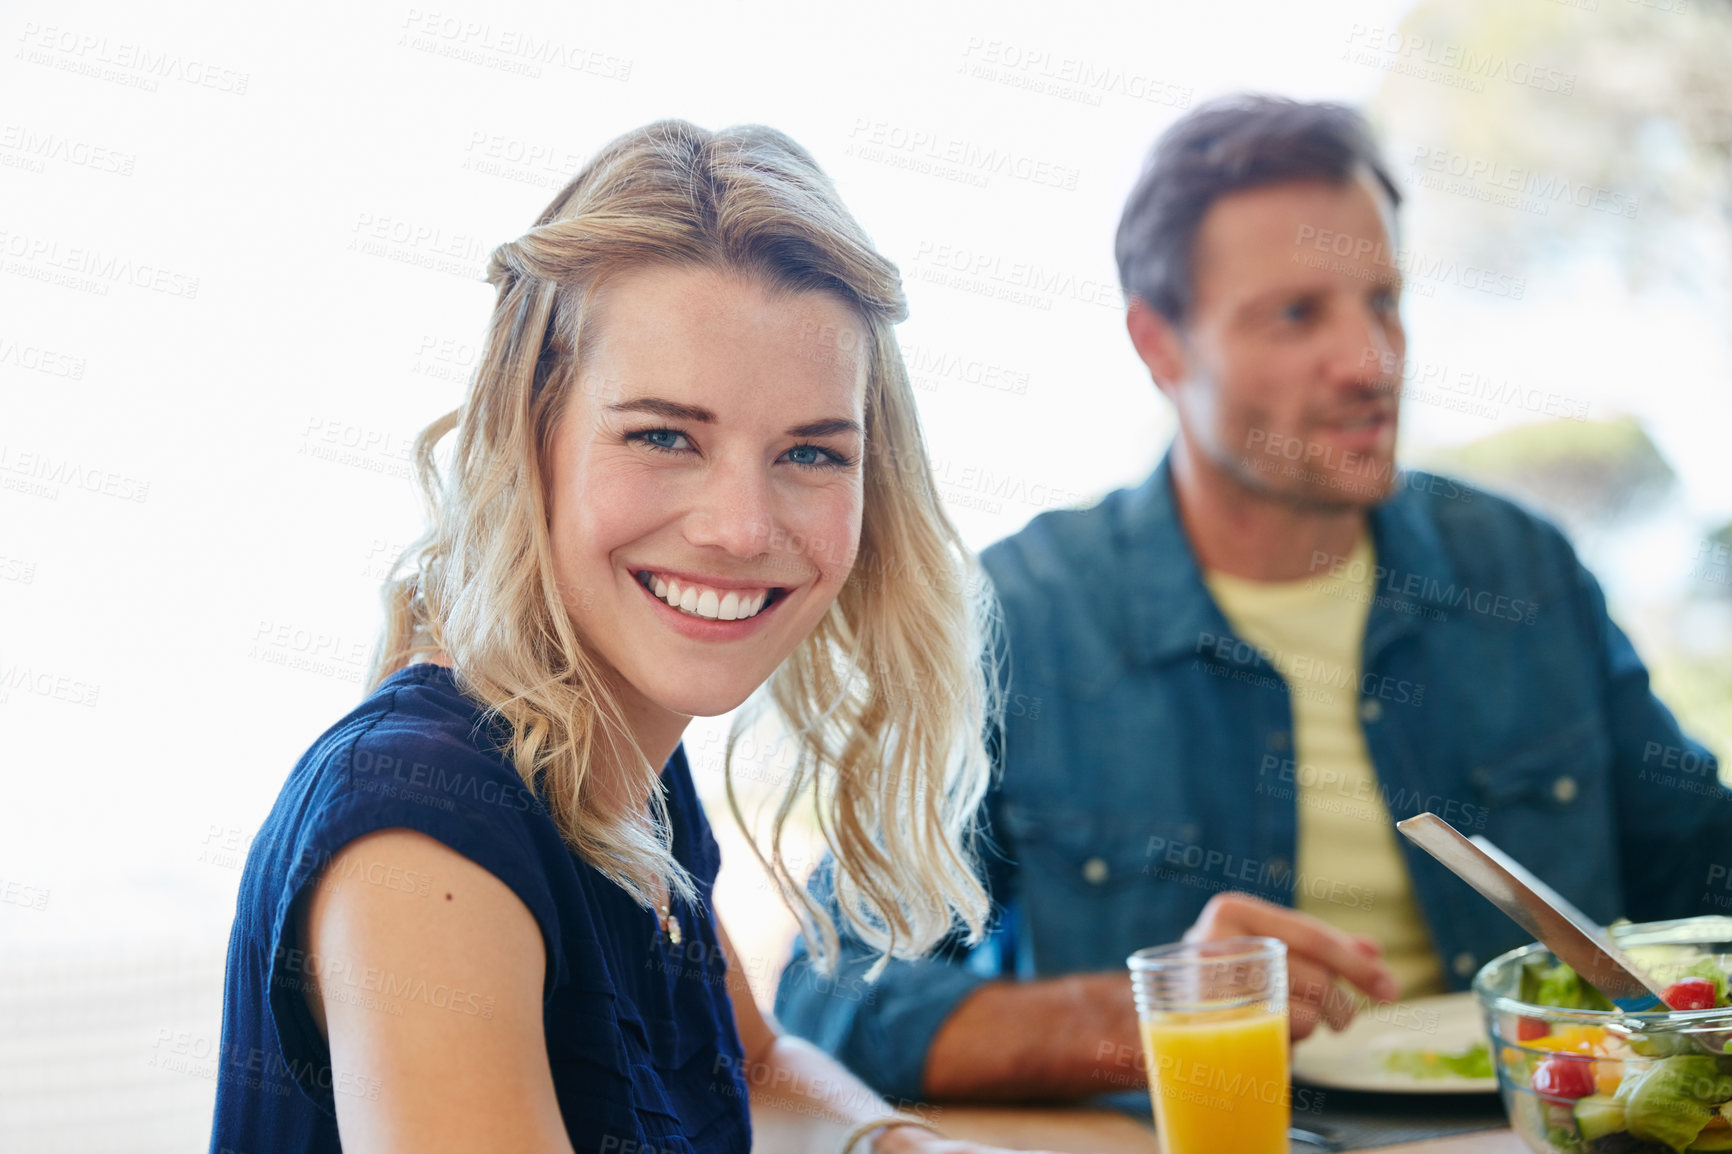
{"points": [[888, 699]]}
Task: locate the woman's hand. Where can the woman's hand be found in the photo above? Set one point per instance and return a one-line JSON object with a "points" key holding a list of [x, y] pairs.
{"points": [[914, 1140], [1317, 954], [803, 1099]]}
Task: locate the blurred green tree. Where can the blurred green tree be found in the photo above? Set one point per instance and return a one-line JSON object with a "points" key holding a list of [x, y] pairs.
{"points": [[1567, 122]]}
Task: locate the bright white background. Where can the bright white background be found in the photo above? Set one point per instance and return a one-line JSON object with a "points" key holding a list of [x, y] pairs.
{"points": [[202, 491]]}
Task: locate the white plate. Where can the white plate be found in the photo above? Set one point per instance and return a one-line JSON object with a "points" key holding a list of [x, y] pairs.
{"points": [[1354, 1058]]}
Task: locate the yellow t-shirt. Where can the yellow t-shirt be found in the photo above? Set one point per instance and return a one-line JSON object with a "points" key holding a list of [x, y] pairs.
{"points": [[1349, 871]]}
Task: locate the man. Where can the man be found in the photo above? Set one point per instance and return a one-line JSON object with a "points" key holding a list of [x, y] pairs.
{"points": [[1234, 678]]}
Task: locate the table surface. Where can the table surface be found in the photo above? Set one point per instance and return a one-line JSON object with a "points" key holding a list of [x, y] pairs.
{"points": [[1100, 1132], [1105, 1132]]}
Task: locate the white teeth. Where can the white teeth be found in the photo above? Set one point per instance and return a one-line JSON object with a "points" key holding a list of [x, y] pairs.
{"points": [[710, 604]]}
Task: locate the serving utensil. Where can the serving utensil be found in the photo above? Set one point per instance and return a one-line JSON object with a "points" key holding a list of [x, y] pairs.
{"points": [[1569, 934]]}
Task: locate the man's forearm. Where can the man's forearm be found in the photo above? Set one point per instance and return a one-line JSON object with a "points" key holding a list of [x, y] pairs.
{"points": [[1060, 1038]]}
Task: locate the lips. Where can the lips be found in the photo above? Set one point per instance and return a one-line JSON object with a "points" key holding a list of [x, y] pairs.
{"points": [[709, 602], [1363, 430], [1359, 419]]}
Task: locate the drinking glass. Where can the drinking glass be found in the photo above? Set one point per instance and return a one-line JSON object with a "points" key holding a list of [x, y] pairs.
{"points": [[1213, 1018]]}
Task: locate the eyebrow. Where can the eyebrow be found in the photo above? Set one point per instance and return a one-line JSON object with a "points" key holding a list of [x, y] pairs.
{"points": [[825, 428], [673, 410], [670, 409]]}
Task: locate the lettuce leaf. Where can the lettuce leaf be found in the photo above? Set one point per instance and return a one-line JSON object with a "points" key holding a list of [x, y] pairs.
{"points": [[1474, 1062], [1555, 984], [1672, 1099]]}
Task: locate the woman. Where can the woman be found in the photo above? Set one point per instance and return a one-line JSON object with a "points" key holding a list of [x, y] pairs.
{"points": [[478, 917]]}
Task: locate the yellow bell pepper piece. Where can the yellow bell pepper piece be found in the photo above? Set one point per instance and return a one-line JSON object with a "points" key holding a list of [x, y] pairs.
{"points": [[1572, 1039], [1607, 1075]]}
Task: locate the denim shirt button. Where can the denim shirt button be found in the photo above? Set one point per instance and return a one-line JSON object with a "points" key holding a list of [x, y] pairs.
{"points": [[1095, 871], [1370, 709], [1564, 789], [1278, 739], [1464, 964]]}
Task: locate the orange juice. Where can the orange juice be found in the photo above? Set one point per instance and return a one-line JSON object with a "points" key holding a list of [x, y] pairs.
{"points": [[1219, 1080]]}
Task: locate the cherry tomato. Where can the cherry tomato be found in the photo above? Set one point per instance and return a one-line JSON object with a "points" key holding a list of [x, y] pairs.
{"points": [[1690, 994], [1562, 1077], [1527, 1029]]}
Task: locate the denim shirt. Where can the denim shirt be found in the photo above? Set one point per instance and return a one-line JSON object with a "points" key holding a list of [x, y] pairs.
{"points": [[1146, 756]]}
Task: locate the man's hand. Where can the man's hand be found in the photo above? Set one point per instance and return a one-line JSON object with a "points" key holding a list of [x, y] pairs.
{"points": [[1317, 954], [1072, 1037]]}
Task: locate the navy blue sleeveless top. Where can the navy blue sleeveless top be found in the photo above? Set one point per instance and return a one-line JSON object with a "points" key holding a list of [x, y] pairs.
{"points": [[640, 1033]]}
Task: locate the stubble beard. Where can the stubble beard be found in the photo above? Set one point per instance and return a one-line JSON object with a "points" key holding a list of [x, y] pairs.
{"points": [[1306, 487]]}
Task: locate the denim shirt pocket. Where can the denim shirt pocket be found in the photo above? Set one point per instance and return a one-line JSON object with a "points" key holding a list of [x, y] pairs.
{"points": [[1088, 888], [1547, 804]]}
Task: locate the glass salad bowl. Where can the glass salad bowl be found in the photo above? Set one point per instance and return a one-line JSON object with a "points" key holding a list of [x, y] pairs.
{"points": [[1581, 1077]]}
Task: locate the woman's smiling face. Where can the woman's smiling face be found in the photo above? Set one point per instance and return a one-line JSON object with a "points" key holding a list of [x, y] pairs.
{"points": [[710, 455]]}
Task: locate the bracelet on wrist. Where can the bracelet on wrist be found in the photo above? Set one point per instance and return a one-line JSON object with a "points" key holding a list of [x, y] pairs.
{"points": [[853, 1136]]}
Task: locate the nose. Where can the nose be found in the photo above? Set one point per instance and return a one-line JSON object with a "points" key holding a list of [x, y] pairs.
{"points": [[733, 510], [1366, 348]]}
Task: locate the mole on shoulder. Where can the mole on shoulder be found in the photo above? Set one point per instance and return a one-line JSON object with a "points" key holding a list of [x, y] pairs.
{"points": [[447, 897]]}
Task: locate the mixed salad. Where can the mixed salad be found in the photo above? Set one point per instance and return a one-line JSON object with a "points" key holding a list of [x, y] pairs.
{"points": [[1602, 1091], [1473, 1062]]}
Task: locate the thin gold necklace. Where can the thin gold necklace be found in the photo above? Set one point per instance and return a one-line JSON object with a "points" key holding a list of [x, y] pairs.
{"points": [[668, 924]]}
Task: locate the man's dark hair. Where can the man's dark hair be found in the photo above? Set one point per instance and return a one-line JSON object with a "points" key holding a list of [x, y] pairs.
{"points": [[1228, 145]]}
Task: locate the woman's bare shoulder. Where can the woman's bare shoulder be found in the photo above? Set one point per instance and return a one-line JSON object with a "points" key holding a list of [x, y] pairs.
{"points": [[425, 974]]}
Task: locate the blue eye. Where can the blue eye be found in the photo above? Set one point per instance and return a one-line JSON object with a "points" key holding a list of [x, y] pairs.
{"points": [[662, 440], [816, 457], [1297, 312], [803, 456]]}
